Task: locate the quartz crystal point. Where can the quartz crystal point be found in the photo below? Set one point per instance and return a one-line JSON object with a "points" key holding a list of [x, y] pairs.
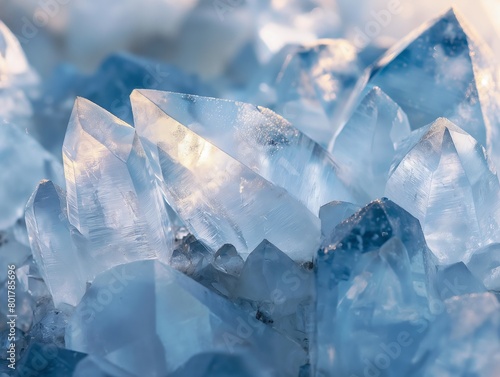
{"points": [[442, 70], [280, 290], [442, 176], [23, 163], [221, 200], [112, 197], [178, 319], [373, 281], [256, 137], [464, 340], [62, 267], [313, 86], [365, 146]]}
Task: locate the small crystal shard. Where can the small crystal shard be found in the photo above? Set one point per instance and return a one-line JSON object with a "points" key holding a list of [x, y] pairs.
{"points": [[442, 176], [366, 144], [258, 138], [485, 265], [221, 200], [373, 281], [112, 197], [178, 319], [442, 70]]}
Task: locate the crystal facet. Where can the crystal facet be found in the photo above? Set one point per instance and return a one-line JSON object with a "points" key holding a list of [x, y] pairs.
{"points": [[365, 146], [373, 281], [220, 199], [179, 319], [258, 138], [112, 197], [442, 176], [443, 70]]}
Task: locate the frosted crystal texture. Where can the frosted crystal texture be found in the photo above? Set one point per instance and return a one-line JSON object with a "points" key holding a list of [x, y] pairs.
{"points": [[220, 199], [61, 265], [373, 281], [112, 197], [313, 86], [443, 70], [464, 340], [23, 163], [442, 176], [333, 213], [178, 319], [366, 144], [256, 137]]}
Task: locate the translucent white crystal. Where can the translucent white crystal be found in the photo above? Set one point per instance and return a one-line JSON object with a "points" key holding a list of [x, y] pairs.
{"points": [[220, 199], [258, 138], [112, 197], [442, 176], [366, 144], [62, 266]]}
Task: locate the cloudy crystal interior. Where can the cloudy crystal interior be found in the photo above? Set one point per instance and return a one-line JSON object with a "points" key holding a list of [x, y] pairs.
{"points": [[249, 188]]}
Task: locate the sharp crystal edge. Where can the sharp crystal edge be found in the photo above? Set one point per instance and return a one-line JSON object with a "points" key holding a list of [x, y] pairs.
{"points": [[112, 197], [261, 140], [443, 70], [220, 199], [442, 176], [373, 282], [173, 308], [60, 262], [366, 144]]}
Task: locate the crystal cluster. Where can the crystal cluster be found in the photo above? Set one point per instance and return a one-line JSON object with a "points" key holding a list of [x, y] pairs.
{"points": [[306, 207]]}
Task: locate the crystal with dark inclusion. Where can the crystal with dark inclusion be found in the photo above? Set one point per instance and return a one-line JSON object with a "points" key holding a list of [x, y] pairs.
{"points": [[177, 319], [255, 136], [373, 283], [279, 290], [312, 86], [441, 175], [23, 163], [221, 200], [365, 146], [443, 70], [112, 197]]}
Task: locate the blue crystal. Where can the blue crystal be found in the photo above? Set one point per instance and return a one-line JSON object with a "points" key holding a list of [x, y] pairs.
{"points": [[441, 175], [313, 86], [374, 131], [442, 70], [178, 319], [373, 282], [333, 213]]}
